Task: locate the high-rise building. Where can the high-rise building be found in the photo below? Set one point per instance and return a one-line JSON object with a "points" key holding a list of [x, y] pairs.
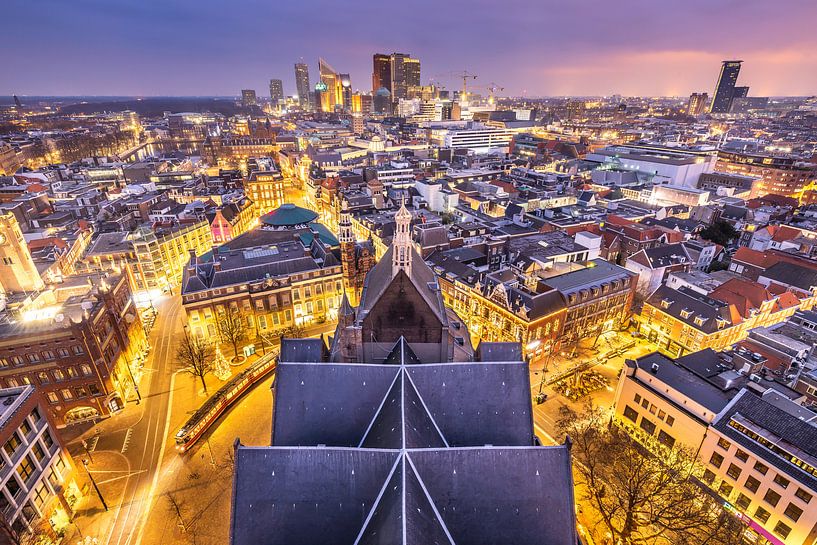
{"points": [[276, 90], [381, 72], [302, 84], [248, 98], [396, 72], [725, 88], [334, 89], [346, 91], [697, 103]]}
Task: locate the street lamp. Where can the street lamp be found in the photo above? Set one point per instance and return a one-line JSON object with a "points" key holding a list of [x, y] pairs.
{"points": [[133, 381], [93, 482]]}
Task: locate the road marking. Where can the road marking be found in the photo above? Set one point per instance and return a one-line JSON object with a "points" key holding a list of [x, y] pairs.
{"points": [[152, 490], [92, 443], [126, 442]]}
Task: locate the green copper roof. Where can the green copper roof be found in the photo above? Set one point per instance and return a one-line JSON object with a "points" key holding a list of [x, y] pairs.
{"points": [[288, 215]]}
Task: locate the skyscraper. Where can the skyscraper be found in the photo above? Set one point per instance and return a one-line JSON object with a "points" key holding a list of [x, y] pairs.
{"points": [[381, 72], [335, 89], [302, 84], [697, 103], [276, 90], [725, 88], [248, 98], [396, 72]]}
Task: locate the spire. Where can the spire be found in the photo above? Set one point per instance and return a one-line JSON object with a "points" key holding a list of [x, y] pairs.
{"points": [[401, 245]]}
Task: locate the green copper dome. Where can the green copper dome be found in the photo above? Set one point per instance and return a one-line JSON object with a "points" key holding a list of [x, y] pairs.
{"points": [[289, 215]]}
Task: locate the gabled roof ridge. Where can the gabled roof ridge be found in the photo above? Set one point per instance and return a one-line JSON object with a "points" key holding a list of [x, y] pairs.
{"points": [[425, 408], [437, 516], [379, 409], [376, 502]]}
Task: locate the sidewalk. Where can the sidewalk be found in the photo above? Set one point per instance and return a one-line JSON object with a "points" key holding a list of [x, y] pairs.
{"points": [[192, 502]]}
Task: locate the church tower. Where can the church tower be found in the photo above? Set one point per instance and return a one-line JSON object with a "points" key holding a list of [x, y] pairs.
{"points": [[401, 253], [346, 238], [17, 270]]}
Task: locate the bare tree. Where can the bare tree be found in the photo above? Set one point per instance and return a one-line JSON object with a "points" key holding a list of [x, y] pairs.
{"points": [[643, 499], [232, 328], [196, 355], [39, 533]]}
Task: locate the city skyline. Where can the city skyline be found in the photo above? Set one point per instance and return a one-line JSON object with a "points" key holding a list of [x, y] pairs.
{"points": [[550, 51]]}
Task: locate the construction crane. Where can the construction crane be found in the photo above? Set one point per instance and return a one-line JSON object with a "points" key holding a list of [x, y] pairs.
{"points": [[492, 89], [465, 75]]}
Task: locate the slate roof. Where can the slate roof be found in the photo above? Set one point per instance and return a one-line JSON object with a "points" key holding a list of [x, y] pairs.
{"points": [[689, 306], [423, 278], [403, 453], [785, 430], [791, 274], [666, 255]]}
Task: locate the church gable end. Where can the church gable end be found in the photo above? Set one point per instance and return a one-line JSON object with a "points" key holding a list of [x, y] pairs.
{"points": [[402, 311]]}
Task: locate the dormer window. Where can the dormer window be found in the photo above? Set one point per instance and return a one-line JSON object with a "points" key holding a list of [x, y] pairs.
{"points": [[666, 303], [686, 313], [700, 320], [722, 323]]}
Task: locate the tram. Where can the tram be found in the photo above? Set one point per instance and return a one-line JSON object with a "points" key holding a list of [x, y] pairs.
{"points": [[213, 408]]}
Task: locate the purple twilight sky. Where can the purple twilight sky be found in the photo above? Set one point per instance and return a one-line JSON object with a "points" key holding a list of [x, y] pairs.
{"points": [[591, 47]]}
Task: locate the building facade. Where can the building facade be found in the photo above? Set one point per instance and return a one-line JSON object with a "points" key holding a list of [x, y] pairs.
{"points": [[38, 477], [80, 346]]}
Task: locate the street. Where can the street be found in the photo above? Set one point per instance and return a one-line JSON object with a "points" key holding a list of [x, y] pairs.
{"points": [[129, 446]]}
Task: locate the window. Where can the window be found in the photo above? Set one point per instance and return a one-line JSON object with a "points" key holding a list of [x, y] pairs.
{"points": [[35, 414], [48, 440], [708, 476], [653, 409], [761, 468], [771, 497], [647, 426], [725, 489], [13, 486], [34, 357], [62, 352], [743, 502], [43, 377], [26, 468], [793, 512], [666, 439], [751, 484], [733, 471], [48, 355], [630, 413], [86, 369], [724, 444], [741, 455], [25, 427], [52, 397], [78, 350], [38, 451], [662, 415], [716, 459], [262, 322], [670, 421], [72, 372], [782, 530], [645, 403], [58, 375], [66, 394], [803, 495], [781, 480], [762, 515]]}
